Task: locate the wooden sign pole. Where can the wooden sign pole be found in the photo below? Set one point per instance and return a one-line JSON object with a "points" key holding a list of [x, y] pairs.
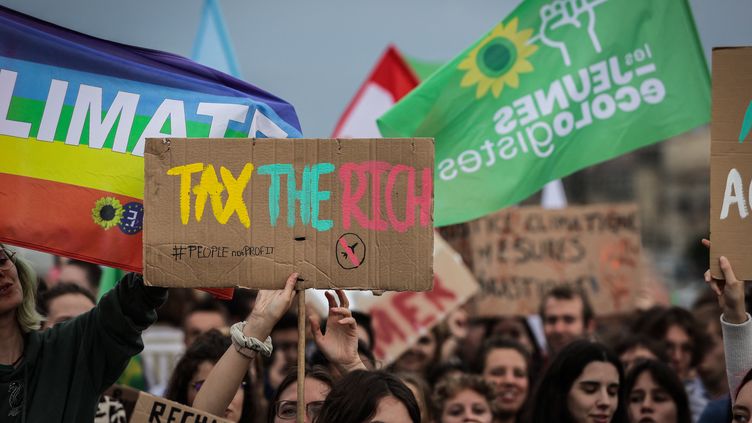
{"points": [[301, 355]]}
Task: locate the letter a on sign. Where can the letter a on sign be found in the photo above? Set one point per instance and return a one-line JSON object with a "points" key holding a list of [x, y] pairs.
{"points": [[731, 161]]}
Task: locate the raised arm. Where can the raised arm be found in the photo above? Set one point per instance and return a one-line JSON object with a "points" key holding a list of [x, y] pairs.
{"points": [[223, 381], [735, 323], [340, 343], [112, 330]]}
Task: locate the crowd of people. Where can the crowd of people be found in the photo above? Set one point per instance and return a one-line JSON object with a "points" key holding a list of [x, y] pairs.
{"points": [[60, 349]]}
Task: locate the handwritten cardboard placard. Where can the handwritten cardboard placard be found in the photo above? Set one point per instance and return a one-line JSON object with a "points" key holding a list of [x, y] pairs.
{"points": [[126, 395], [151, 409], [400, 318], [731, 161], [350, 214], [521, 253]]}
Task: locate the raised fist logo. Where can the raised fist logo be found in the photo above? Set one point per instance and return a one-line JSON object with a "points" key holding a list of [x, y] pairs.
{"points": [[558, 18]]}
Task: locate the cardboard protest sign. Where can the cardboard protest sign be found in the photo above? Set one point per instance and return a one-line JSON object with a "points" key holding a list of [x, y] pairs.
{"points": [[151, 409], [521, 253], [731, 161], [126, 395], [458, 237], [400, 318], [350, 214]]}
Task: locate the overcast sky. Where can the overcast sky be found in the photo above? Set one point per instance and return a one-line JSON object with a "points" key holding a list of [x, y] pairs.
{"points": [[315, 53]]}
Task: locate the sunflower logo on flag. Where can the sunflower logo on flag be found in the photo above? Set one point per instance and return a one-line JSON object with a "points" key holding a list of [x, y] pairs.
{"points": [[498, 60], [107, 212]]}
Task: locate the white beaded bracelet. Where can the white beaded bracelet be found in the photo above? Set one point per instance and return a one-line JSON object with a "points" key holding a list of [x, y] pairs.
{"points": [[248, 345]]}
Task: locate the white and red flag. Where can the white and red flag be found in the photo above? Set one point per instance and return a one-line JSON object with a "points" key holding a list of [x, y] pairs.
{"points": [[390, 80]]}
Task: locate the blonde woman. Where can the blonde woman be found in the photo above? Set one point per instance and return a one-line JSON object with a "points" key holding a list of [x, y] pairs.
{"points": [[59, 374]]}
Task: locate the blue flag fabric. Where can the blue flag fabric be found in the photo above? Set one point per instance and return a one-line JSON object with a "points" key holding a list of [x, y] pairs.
{"points": [[213, 45], [74, 113]]}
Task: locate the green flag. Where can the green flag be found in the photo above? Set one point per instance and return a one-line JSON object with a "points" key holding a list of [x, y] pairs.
{"points": [[555, 87], [110, 278]]}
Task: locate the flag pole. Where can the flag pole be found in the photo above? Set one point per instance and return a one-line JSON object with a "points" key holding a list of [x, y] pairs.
{"points": [[301, 355]]}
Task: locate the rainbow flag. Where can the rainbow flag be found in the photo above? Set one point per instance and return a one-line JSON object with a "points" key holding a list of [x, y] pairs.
{"points": [[74, 113]]}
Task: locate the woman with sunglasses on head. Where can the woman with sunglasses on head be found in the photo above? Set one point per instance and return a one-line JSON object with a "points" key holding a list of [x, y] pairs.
{"points": [[583, 384], [251, 337], [59, 374], [193, 368]]}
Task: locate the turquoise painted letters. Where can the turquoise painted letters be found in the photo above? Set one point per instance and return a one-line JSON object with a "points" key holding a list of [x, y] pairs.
{"points": [[308, 195]]}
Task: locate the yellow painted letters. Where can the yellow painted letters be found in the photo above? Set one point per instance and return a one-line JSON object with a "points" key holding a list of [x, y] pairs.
{"points": [[210, 187]]}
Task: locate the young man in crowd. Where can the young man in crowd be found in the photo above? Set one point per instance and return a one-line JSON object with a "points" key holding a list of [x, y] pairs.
{"points": [[81, 273], [285, 340], [712, 368], [686, 345], [63, 302], [567, 316], [203, 317]]}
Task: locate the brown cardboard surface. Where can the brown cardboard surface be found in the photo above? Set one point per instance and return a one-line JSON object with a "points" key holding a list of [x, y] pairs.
{"points": [[377, 193], [521, 253], [458, 237], [400, 318], [731, 233], [151, 409], [126, 395]]}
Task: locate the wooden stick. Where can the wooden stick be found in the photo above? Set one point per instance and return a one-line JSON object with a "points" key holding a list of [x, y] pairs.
{"points": [[301, 355]]}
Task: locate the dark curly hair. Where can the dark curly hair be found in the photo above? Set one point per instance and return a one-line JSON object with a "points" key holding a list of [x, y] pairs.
{"points": [[658, 327], [450, 386]]}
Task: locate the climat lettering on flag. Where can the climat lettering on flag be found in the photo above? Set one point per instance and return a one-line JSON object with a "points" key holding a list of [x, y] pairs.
{"points": [[74, 113]]}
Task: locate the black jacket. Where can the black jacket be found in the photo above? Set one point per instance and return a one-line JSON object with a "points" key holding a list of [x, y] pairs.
{"points": [[67, 367]]}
